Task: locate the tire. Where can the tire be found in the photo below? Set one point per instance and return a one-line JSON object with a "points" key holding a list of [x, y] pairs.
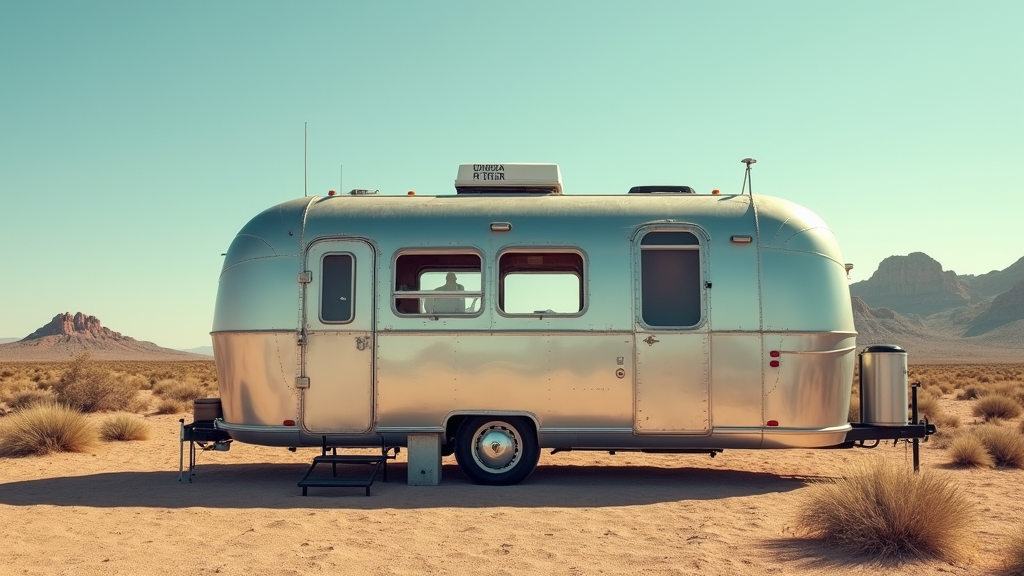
{"points": [[496, 450]]}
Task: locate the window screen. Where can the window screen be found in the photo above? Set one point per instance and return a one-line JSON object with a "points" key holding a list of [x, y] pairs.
{"points": [[670, 279], [542, 283], [336, 288]]}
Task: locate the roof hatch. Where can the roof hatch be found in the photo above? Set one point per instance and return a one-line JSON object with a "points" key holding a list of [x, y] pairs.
{"points": [[509, 179]]}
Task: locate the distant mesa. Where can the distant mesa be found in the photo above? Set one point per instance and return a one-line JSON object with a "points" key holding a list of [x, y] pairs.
{"points": [[67, 336], [67, 325]]}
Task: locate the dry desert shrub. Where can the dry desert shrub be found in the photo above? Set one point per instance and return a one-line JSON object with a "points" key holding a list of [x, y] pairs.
{"points": [[90, 388], [46, 428], [1004, 444], [888, 511], [996, 406], [928, 406], [972, 392], [967, 450], [171, 406], [122, 427], [181, 391], [1014, 553], [23, 398]]}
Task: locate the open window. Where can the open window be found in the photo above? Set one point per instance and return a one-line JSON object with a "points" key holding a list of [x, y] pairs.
{"points": [[544, 283], [437, 284]]}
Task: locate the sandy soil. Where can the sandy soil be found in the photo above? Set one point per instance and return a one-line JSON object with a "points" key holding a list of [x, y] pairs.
{"points": [[122, 510]]}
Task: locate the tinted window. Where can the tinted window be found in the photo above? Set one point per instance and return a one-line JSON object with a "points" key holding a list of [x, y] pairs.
{"points": [[336, 288], [670, 279]]}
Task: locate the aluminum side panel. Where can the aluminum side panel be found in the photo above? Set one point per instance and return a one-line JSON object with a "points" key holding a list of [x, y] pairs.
{"points": [[811, 386], [736, 380], [256, 374], [564, 380], [340, 394], [672, 383]]}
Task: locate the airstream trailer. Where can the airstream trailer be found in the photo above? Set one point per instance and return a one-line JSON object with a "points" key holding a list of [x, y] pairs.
{"points": [[510, 317]]}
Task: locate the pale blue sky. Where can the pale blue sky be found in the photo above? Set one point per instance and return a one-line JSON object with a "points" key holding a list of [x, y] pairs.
{"points": [[136, 138]]}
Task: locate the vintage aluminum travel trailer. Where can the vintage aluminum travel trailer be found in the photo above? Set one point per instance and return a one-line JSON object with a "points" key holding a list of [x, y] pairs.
{"points": [[509, 317]]}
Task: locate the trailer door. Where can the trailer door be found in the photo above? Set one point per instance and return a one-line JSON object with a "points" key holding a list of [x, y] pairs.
{"points": [[671, 340], [339, 346]]}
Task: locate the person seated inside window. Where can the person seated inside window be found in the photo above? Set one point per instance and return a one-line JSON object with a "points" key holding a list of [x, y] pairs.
{"points": [[447, 305]]}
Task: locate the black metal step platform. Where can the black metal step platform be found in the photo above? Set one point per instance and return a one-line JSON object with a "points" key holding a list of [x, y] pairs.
{"points": [[377, 463]]}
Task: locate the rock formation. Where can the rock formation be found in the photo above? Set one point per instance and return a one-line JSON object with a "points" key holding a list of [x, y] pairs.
{"points": [[65, 325], [912, 284], [67, 336], [1005, 308]]}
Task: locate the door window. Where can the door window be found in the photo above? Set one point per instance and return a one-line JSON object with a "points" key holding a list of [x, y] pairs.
{"points": [[670, 281], [336, 288]]}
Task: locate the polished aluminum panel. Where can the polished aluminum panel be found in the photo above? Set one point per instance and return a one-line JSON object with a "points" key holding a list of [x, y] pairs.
{"points": [[672, 383], [256, 373], [339, 399], [810, 387], [562, 380], [736, 383], [258, 289]]}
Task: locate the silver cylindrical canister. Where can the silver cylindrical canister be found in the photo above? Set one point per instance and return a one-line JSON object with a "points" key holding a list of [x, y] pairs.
{"points": [[883, 386]]}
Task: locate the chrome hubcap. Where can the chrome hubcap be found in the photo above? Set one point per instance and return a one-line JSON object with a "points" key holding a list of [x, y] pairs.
{"points": [[496, 447]]}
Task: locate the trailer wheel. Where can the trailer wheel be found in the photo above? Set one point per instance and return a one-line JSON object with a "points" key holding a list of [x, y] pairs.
{"points": [[497, 451]]}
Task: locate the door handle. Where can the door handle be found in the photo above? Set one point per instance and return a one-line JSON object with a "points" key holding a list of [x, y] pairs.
{"points": [[651, 340], [362, 343]]}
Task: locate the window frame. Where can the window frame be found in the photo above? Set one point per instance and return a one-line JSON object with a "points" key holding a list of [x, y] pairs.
{"points": [[351, 288], [584, 278], [396, 294], [699, 248]]}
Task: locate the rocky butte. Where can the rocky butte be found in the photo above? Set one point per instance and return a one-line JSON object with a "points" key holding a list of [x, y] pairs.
{"points": [[66, 325], [67, 336]]}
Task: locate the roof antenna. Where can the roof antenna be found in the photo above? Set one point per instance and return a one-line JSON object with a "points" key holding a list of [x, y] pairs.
{"points": [[746, 177], [305, 154]]}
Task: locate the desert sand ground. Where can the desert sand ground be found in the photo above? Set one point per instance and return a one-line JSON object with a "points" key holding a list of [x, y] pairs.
{"points": [[121, 510]]}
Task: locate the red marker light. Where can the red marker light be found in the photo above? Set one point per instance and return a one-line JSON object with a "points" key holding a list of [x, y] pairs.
{"points": [[774, 354], [411, 193], [774, 363], [773, 422], [331, 192], [289, 422]]}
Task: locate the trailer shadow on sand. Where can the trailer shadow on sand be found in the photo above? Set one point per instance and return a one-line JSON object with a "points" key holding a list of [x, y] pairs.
{"points": [[243, 486]]}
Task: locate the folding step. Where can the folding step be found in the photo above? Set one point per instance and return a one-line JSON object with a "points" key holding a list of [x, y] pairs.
{"points": [[376, 462]]}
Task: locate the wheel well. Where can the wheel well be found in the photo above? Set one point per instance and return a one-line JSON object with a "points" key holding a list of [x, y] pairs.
{"points": [[451, 427]]}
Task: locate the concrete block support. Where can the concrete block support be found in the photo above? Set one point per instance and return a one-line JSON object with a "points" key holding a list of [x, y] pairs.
{"points": [[424, 459]]}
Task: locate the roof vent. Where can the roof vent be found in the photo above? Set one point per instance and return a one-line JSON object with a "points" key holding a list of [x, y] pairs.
{"points": [[661, 190], [509, 179]]}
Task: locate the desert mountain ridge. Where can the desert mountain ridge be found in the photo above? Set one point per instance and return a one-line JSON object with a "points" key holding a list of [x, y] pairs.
{"points": [[67, 336], [943, 316]]}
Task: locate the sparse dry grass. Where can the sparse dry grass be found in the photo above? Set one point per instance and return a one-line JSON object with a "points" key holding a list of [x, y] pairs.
{"points": [[182, 391], [46, 428], [887, 511], [1004, 444], [24, 383], [1014, 553], [124, 427], [172, 406], [996, 406], [89, 388], [968, 451]]}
